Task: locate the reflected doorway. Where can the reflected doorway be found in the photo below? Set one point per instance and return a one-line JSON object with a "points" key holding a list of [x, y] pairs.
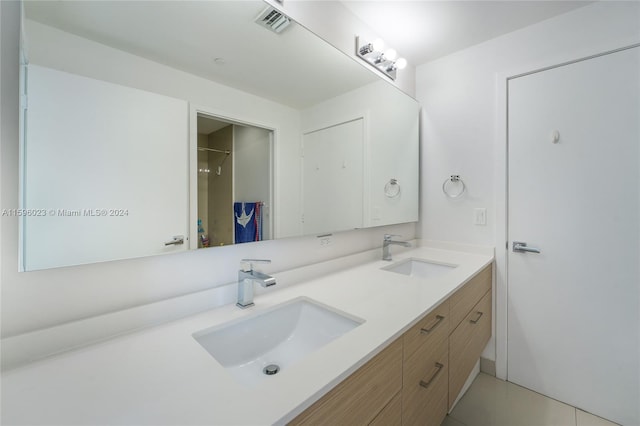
{"points": [[234, 182]]}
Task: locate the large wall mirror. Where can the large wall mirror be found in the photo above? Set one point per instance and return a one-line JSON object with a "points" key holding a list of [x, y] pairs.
{"points": [[157, 127]]}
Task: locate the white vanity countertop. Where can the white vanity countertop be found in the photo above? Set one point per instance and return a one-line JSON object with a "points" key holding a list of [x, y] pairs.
{"points": [[162, 375]]}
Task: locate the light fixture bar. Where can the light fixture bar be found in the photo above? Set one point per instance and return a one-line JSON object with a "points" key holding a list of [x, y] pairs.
{"points": [[372, 53]]}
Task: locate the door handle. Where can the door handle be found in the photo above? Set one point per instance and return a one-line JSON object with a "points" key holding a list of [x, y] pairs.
{"points": [[177, 240], [520, 247]]}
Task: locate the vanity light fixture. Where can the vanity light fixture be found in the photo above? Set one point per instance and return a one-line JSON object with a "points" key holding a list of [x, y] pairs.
{"points": [[384, 61]]}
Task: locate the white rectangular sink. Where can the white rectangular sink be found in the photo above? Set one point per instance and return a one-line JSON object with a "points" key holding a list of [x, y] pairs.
{"points": [[420, 268], [279, 337]]}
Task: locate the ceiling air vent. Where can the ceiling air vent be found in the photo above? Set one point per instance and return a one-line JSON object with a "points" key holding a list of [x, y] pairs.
{"points": [[273, 19]]}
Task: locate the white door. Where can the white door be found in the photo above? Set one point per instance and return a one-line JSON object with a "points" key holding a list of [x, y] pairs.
{"points": [[108, 165], [333, 182], [573, 324]]}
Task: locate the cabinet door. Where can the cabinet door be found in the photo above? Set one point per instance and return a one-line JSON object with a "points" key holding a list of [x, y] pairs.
{"points": [[466, 344], [391, 415], [425, 380], [358, 399], [425, 372], [432, 328], [463, 300]]}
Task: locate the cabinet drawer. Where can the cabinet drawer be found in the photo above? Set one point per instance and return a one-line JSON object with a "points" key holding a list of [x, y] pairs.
{"points": [[463, 300], [362, 395], [391, 415], [429, 330], [466, 344], [425, 381]]}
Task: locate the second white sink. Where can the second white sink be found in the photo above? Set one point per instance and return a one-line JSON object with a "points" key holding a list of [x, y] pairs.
{"points": [[252, 349], [420, 268]]}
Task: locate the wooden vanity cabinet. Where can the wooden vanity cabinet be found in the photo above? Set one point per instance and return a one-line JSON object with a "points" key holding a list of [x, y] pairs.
{"points": [[362, 396], [416, 379], [445, 355]]}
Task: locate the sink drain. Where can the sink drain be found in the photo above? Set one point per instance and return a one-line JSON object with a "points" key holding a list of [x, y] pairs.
{"points": [[271, 369]]}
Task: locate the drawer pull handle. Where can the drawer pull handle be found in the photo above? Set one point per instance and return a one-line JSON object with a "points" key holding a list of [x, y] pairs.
{"points": [[475, 321], [439, 319], [428, 382]]}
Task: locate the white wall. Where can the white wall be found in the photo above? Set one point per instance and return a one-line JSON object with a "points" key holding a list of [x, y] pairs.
{"points": [[35, 300], [391, 150], [460, 134], [458, 93]]}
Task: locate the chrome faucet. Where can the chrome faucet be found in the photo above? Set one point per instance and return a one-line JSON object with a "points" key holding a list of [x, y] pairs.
{"points": [[386, 250], [246, 277]]}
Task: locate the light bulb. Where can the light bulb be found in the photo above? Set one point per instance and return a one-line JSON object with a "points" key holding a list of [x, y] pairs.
{"points": [[378, 45], [390, 54], [401, 63]]}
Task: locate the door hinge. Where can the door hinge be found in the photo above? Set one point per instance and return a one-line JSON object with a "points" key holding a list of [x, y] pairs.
{"points": [[23, 101]]}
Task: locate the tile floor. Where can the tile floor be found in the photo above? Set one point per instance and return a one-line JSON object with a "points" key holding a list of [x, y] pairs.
{"points": [[493, 402]]}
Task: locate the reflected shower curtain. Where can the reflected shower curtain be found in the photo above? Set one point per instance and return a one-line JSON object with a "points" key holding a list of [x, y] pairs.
{"points": [[248, 221]]}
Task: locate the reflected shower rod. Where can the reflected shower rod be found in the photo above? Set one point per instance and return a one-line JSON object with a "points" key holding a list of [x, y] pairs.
{"points": [[214, 150]]}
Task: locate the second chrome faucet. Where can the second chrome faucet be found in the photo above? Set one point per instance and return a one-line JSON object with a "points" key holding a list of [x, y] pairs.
{"points": [[386, 250], [246, 279]]}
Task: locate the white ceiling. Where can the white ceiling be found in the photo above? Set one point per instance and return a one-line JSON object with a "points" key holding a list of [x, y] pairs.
{"points": [[296, 68], [425, 30]]}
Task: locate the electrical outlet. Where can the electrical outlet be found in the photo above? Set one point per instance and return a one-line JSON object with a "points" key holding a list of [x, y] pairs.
{"points": [[480, 216], [325, 240], [376, 213]]}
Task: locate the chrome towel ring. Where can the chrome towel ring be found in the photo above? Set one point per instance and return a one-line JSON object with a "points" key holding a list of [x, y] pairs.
{"points": [[450, 184], [392, 188]]}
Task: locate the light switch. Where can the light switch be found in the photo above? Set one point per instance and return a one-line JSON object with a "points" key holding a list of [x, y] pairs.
{"points": [[480, 216]]}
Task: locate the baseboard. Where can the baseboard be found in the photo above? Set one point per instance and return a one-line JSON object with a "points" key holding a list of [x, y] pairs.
{"points": [[488, 366]]}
